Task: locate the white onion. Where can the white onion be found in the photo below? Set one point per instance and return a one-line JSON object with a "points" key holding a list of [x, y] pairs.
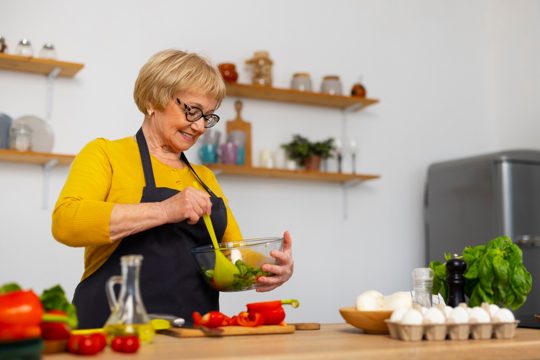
{"points": [[370, 300], [398, 300]]}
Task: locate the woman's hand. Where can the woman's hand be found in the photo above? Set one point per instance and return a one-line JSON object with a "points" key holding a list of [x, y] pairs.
{"points": [[189, 204], [282, 271]]}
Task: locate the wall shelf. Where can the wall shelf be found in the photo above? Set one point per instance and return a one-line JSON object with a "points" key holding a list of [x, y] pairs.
{"points": [[348, 103], [304, 175], [38, 65], [37, 158]]}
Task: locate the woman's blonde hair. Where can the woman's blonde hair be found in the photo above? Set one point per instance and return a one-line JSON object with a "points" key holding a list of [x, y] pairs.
{"points": [[171, 71]]}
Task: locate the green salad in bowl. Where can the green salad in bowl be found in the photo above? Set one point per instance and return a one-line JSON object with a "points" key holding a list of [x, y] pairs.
{"points": [[247, 255]]}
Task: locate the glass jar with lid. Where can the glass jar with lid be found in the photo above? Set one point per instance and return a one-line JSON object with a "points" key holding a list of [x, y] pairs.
{"points": [[47, 51], [20, 138], [24, 48], [301, 81], [262, 68], [331, 84]]}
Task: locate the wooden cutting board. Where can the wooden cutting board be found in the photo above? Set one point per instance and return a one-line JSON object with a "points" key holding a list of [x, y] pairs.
{"points": [[229, 331]]}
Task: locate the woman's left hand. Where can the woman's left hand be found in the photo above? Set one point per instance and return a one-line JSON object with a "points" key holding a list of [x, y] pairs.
{"points": [[282, 271]]}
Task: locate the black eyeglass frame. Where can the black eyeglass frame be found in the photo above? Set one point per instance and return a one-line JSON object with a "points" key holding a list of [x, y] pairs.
{"points": [[210, 120]]}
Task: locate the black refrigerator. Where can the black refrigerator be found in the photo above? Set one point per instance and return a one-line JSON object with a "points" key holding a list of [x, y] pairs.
{"points": [[470, 201]]}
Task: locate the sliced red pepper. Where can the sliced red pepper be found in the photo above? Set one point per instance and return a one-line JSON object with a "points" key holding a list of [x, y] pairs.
{"points": [[250, 319], [212, 319], [272, 311], [10, 332]]}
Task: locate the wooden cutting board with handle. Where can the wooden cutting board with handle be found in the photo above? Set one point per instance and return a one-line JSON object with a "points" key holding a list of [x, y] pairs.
{"points": [[229, 331]]}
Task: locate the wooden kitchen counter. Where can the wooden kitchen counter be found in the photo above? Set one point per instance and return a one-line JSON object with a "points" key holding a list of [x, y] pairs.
{"points": [[333, 341]]}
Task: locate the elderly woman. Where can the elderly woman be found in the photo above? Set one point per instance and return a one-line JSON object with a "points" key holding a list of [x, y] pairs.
{"points": [[136, 196]]}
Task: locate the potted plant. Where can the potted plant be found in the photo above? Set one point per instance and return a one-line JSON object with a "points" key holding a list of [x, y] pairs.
{"points": [[308, 154]]}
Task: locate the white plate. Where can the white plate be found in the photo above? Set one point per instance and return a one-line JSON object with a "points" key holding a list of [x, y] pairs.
{"points": [[42, 134]]}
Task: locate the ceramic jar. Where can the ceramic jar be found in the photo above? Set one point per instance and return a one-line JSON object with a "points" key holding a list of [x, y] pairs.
{"points": [[331, 84], [228, 72], [301, 82], [262, 68]]}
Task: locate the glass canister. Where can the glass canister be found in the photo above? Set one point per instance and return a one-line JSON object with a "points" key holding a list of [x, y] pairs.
{"points": [[128, 314], [301, 81], [262, 68], [331, 84], [20, 138], [47, 51], [24, 48]]}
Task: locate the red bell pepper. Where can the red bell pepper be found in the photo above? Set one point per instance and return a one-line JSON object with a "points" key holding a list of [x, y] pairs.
{"points": [[20, 314], [249, 319], [272, 311], [212, 319]]}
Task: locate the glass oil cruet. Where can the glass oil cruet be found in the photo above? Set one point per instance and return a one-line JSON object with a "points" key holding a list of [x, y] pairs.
{"points": [[128, 314]]}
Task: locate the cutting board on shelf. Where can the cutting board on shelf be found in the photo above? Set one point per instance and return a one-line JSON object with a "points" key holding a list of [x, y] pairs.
{"points": [[239, 124], [229, 331]]}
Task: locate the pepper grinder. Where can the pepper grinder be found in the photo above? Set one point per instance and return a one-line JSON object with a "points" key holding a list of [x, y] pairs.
{"points": [[455, 268]]}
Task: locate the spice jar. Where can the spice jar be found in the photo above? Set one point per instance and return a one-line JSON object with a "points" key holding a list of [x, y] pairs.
{"points": [[20, 138], [24, 48], [3, 45], [262, 68], [47, 51], [301, 81], [228, 72], [331, 84]]}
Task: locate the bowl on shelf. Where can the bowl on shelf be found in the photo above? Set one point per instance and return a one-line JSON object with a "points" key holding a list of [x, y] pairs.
{"points": [[247, 255], [371, 322]]}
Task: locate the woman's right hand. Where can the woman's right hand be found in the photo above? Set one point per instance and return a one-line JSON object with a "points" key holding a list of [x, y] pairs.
{"points": [[189, 204]]}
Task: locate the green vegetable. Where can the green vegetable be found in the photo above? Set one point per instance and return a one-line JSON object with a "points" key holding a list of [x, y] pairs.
{"points": [[245, 278], [495, 274], [55, 299]]}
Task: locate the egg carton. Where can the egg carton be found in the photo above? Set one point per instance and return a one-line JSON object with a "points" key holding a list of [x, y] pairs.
{"points": [[437, 332]]}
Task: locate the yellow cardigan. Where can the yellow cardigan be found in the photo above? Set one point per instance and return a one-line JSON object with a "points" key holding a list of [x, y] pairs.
{"points": [[107, 172]]}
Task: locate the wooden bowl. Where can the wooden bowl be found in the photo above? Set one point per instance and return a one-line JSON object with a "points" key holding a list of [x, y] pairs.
{"points": [[371, 322]]}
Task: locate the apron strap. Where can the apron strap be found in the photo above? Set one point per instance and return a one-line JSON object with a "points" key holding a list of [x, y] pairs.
{"points": [[186, 161], [145, 159]]}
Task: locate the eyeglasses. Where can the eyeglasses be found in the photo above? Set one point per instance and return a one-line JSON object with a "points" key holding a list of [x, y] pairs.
{"points": [[194, 113]]}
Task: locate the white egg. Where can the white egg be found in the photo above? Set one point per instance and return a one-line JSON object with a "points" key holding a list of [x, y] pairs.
{"points": [[400, 299], [493, 309], [459, 315], [412, 317], [504, 315], [370, 300], [397, 315], [434, 316], [447, 311], [479, 315]]}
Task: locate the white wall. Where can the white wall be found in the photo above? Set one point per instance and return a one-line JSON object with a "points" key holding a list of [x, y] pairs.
{"points": [[455, 78]]}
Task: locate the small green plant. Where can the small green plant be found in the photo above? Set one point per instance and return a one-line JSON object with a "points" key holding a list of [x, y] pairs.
{"points": [[301, 149]]}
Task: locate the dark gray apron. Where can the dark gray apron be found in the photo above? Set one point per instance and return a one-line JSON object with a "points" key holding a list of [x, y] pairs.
{"points": [[170, 281]]}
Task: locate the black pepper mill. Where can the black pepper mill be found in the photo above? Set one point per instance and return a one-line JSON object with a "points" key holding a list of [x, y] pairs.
{"points": [[455, 268]]}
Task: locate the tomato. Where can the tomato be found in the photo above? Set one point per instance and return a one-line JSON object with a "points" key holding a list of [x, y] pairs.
{"points": [[86, 344], [249, 319], [126, 343], [20, 308], [212, 319], [54, 331]]}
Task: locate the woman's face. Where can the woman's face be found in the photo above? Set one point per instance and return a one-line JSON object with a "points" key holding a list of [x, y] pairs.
{"points": [[172, 128]]}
